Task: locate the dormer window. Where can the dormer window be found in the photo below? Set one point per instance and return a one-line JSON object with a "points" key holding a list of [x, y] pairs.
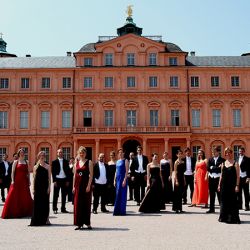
{"points": [[152, 59], [109, 59], [130, 59], [173, 61], [88, 61]]}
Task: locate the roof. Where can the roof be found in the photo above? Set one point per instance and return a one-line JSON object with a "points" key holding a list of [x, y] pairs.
{"points": [[37, 62], [218, 61], [89, 47]]}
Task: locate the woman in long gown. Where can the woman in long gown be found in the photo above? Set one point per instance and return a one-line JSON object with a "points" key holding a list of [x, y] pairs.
{"points": [[166, 173], [83, 176], [121, 184], [200, 195], [41, 190], [152, 201], [19, 202], [111, 177], [228, 187], [179, 182]]}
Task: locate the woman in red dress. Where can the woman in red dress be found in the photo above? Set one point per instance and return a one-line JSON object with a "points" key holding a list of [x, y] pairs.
{"points": [[83, 175], [200, 195], [19, 202]]}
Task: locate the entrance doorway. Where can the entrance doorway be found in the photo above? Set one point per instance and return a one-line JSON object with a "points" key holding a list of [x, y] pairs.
{"points": [[130, 146]]}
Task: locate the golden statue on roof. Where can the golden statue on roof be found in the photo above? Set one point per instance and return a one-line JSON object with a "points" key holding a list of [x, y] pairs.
{"points": [[129, 10]]}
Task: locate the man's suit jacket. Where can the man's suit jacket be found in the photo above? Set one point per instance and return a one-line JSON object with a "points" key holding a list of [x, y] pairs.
{"points": [[6, 179], [215, 168], [132, 167], [144, 163], [245, 165], [96, 173], [193, 162], [56, 169]]}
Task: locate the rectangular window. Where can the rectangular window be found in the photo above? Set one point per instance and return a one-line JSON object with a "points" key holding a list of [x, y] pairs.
{"points": [[235, 81], [152, 59], [153, 81], [47, 155], [24, 119], [3, 151], [195, 81], [215, 81], [131, 118], [25, 83], [45, 119], [66, 152], [66, 119], [195, 151], [45, 83], [88, 62], [216, 117], [109, 59], [174, 81], [196, 118], [3, 119], [130, 59], [87, 118], [175, 117], [108, 118], [87, 83], [130, 81], [237, 117], [26, 153], [173, 61], [4, 83], [108, 82], [154, 118], [236, 151], [66, 82]]}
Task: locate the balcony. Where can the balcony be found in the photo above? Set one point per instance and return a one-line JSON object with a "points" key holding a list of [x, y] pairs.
{"points": [[133, 130]]}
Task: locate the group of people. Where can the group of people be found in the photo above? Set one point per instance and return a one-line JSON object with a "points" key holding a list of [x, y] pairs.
{"points": [[151, 184]]}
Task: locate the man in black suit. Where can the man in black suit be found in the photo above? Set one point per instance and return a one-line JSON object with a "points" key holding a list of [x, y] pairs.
{"points": [[100, 184], [5, 175], [214, 170], [244, 163], [131, 175], [60, 176], [188, 174], [141, 162]]}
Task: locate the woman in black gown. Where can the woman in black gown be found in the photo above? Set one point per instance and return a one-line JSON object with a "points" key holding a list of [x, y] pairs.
{"points": [[152, 201], [228, 187], [41, 191], [110, 178], [179, 182], [166, 173]]}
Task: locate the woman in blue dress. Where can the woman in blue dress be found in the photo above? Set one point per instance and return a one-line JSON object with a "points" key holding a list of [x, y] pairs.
{"points": [[121, 184]]}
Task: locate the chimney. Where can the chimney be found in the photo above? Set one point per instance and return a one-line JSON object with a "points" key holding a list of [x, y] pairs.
{"points": [[192, 53], [28, 55], [69, 53]]}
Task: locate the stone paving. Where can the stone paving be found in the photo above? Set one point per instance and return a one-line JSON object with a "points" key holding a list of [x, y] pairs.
{"points": [[192, 230]]}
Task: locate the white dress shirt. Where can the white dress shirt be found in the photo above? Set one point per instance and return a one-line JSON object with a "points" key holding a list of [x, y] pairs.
{"points": [[6, 167], [214, 175], [61, 174], [188, 166], [140, 161], [102, 178], [242, 174]]}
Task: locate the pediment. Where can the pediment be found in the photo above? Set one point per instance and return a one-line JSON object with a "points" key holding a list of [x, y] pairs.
{"points": [[131, 104], [120, 43], [4, 106], [23, 105], [174, 104], [87, 104], [108, 104], [45, 105], [154, 104], [65, 105]]}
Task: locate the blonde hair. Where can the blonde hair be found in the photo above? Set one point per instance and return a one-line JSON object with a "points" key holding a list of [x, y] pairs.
{"points": [[228, 149], [38, 160], [81, 149]]}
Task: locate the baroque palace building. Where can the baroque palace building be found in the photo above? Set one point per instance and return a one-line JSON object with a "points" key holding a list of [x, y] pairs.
{"points": [[123, 91]]}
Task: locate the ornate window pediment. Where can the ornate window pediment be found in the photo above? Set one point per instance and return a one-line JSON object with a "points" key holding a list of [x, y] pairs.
{"points": [[4, 106], [131, 104], [65, 105], [196, 104], [174, 104], [216, 104], [108, 105], [154, 104], [45, 105], [237, 104], [87, 105], [24, 105]]}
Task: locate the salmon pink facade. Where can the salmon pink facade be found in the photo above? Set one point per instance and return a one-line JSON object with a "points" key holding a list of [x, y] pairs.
{"points": [[124, 91]]}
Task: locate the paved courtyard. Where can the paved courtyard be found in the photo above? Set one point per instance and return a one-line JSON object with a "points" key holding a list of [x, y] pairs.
{"points": [[191, 230]]}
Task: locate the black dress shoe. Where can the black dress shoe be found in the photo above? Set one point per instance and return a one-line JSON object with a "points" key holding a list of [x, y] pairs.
{"points": [[94, 212], [105, 210], [77, 228], [55, 211], [210, 212], [3, 199], [184, 203], [65, 211], [247, 209], [89, 227], [138, 204]]}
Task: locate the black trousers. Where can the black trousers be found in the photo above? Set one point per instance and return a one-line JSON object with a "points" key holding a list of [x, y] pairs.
{"points": [[131, 187], [189, 183], [140, 184], [245, 187], [5, 184], [61, 185], [213, 190], [100, 190]]}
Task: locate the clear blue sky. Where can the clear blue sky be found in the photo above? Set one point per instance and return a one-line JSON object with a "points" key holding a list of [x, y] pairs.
{"points": [[52, 27]]}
